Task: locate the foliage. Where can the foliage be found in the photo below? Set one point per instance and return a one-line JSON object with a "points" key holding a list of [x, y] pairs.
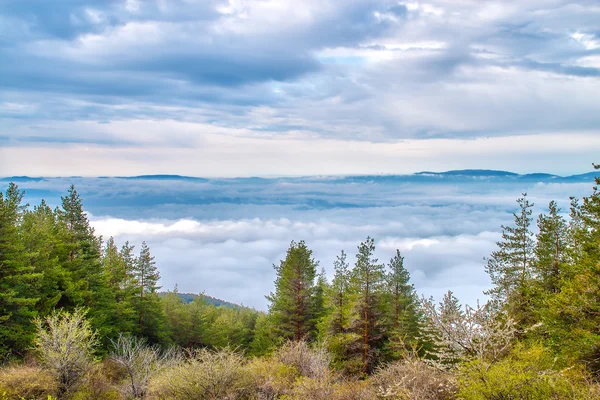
{"points": [[368, 280], [311, 362], [413, 378], [205, 374], [140, 362], [510, 267], [65, 342], [16, 276], [24, 381], [293, 307], [528, 373], [460, 334], [270, 379]]}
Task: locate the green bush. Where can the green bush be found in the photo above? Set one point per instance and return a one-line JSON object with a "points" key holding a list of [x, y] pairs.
{"points": [[17, 382], [527, 373], [98, 384], [270, 379], [205, 375]]}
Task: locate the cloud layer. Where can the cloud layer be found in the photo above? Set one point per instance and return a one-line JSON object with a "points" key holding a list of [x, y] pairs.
{"points": [[223, 236], [130, 82]]}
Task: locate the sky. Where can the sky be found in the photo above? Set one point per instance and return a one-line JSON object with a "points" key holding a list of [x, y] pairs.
{"points": [[236, 88]]}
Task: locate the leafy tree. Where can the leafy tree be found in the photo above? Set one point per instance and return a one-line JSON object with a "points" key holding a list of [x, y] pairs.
{"points": [[293, 303], [264, 340], [16, 276], [461, 334], [177, 317]]}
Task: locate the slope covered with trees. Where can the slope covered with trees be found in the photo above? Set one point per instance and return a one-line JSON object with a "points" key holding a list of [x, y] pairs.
{"points": [[366, 334]]}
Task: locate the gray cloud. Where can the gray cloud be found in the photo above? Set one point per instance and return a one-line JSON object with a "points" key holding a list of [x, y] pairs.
{"points": [[362, 69]]}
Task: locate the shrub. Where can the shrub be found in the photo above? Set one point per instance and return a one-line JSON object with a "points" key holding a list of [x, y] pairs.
{"points": [[270, 379], [139, 362], [354, 390], [528, 373], [413, 379], [97, 385], [65, 342], [311, 389], [309, 362], [204, 375], [17, 382]]}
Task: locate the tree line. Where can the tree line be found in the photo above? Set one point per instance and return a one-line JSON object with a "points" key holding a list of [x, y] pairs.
{"points": [[544, 302]]}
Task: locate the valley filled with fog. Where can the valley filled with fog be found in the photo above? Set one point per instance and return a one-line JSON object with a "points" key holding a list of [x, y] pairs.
{"points": [[222, 236]]}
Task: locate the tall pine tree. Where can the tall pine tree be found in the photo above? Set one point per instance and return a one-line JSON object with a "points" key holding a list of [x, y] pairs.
{"points": [[368, 280], [403, 314], [510, 267], [292, 308], [147, 303], [16, 276]]}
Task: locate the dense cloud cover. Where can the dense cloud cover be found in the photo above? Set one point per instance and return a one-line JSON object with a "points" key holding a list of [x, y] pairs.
{"points": [[223, 236], [279, 87]]}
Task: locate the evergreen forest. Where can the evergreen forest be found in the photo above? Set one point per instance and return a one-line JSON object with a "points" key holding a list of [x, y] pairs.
{"points": [[82, 317]]}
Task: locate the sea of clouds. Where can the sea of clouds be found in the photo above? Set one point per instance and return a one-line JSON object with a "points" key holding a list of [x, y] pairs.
{"points": [[222, 236]]}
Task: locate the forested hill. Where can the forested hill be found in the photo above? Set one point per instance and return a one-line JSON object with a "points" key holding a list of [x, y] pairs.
{"points": [[187, 298]]}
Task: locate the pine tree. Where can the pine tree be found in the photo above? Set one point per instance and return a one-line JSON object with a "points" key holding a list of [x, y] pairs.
{"points": [[368, 279], [16, 301], [510, 267], [574, 312], [42, 235], [118, 275], [403, 316], [147, 304], [177, 317], [340, 295], [88, 282], [551, 250], [292, 304]]}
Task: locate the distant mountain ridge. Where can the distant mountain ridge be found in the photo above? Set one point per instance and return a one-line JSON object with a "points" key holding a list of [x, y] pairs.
{"points": [[469, 172], [466, 173], [189, 297]]}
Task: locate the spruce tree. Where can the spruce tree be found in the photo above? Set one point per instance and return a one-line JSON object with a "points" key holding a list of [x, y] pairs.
{"points": [[118, 275], [293, 303], [88, 282], [147, 304], [510, 267], [16, 277], [340, 295], [42, 235], [551, 249]]}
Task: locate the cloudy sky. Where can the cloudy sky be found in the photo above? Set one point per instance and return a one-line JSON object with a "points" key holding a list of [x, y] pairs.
{"points": [[281, 87], [328, 89]]}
